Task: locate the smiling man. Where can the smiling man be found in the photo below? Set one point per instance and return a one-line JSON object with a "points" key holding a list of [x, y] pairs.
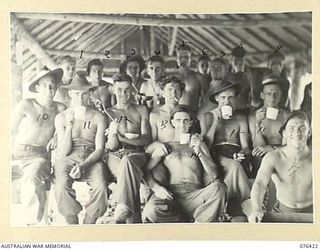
{"points": [[128, 134], [290, 168], [68, 65], [151, 89], [81, 143], [33, 128]]}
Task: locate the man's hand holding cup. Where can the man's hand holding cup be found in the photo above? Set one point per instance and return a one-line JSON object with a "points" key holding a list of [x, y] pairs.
{"points": [[195, 142]]}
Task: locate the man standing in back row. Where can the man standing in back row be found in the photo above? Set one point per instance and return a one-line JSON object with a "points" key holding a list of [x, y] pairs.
{"points": [[195, 83]]}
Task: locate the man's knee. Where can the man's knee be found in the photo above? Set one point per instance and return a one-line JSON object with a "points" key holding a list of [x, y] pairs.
{"points": [[62, 167], [37, 171], [218, 188], [233, 167]]}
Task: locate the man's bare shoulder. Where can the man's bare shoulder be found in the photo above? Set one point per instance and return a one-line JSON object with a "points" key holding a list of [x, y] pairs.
{"points": [[274, 156], [104, 84], [241, 117], [142, 109], [60, 106], [27, 103], [157, 111]]}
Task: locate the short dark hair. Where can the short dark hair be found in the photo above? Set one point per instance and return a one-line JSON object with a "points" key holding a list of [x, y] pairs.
{"points": [[94, 62], [67, 58], [204, 58], [221, 60], [184, 47], [195, 127], [167, 79], [121, 77], [182, 108], [295, 114], [156, 59], [275, 55]]}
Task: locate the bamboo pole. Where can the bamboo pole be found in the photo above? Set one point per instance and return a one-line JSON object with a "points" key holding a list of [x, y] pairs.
{"points": [[173, 22], [173, 40], [31, 43], [152, 40]]}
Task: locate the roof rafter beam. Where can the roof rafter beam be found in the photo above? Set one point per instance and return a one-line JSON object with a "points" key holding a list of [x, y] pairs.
{"points": [[32, 43], [153, 21]]}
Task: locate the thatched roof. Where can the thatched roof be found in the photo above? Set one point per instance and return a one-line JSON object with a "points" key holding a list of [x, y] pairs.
{"points": [[52, 35]]}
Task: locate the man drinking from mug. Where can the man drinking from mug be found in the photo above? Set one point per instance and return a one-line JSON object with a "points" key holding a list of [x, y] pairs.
{"points": [[264, 123], [81, 143], [226, 134], [185, 194]]}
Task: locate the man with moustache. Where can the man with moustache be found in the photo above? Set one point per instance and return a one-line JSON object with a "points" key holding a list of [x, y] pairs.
{"points": [[33, 128], [127, 136], [290, 168], [81, 144]]}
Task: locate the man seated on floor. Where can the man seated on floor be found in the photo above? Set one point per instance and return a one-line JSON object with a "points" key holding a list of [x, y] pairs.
{"points": [[104, 91], [128, 134], [264, 123], [290, 168], [192, 190], [228, 141], [81, 143], [151, 89], [33, 128]]}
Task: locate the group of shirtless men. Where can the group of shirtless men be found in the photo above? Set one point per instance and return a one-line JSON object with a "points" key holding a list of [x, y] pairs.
{"points": [[194, 138]]}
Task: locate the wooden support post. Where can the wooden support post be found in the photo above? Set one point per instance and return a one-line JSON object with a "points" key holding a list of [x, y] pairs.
{"points": [[152, 40], [16, 71], [173, 40], [31, 43]]}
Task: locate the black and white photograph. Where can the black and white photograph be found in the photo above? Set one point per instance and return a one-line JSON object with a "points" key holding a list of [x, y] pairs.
{"points": [[161, 118]]}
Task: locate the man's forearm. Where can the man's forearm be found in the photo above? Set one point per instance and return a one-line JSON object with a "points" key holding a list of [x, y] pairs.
{"points": [[208, 165], [93, 158], [113, 142], [257, 138], [66, 142], [257, 194]]}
